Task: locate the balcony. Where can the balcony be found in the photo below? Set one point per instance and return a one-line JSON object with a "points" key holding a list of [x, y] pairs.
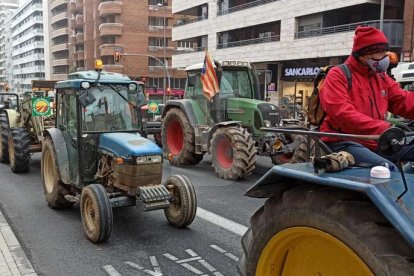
{"points": [[59, 47], [58, 17], [186, 50], [115, 68], [248, 42], [59, 76], [110, 7], [60, 62], [59, 32], [225, 10], [72, 5], [393, 29], [79, 55], [79, 21], [184, 20], [107, 29], [57, 3], [80, 38], [109, 49]]}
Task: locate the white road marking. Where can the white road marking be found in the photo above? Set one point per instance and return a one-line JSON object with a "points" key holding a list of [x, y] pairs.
{"points": [[222, 222], [194, 258], [221, 250], [111, 270], [155, 266]]}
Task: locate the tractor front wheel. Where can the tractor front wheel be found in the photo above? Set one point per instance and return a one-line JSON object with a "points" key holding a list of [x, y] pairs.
{"points": [[52, 185], [96, 212], [233, 152], [4, 138], [183, 207], [19, 151], [178, 139], [319, 230]]}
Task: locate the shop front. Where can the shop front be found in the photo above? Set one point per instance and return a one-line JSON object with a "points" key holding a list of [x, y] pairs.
{"points": [[296, 84]]}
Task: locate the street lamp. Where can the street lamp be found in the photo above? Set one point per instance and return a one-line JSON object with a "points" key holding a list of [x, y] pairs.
{"points": [[162, 4], [382, 16]]}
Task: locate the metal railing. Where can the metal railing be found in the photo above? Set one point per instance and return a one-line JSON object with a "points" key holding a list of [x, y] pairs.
{"points": [[248, 42], [393, 29], [185, 50], [223, 10], [184, 21]]}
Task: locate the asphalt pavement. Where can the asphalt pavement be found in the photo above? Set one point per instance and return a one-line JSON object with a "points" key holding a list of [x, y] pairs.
{"points": [[141, 243]]}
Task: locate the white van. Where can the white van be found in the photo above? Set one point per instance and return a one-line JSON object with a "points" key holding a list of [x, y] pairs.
{"points": [[404, 74]]}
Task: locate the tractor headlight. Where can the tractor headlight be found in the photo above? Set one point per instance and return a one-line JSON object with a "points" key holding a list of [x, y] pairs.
{"points": [[267, 123], [141, 160], [152, 159]]}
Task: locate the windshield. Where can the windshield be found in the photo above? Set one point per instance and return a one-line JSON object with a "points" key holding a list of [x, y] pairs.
{"points": [[113, 110], [236, 84]]}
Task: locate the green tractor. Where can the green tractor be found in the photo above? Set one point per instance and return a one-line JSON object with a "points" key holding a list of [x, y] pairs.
{"points": [[228, 127], [21, 130], [95, 155]]}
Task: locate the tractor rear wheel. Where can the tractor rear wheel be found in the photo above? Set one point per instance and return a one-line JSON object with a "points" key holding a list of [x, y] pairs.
{"points": [[319, 230], [19, 151], [297, 156], [4, 138], [96, 212], [233, 152], [178, 139], [183, 207], [53, 187]]}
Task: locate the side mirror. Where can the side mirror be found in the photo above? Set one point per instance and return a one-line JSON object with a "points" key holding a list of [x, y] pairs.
{"points": [[391, 141], [2, 106], [86, 98]]}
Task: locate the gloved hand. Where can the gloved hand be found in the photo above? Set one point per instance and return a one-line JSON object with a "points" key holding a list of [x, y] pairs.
{"points": [[334, 162]]}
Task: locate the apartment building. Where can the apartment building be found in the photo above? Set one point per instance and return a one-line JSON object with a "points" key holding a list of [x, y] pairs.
{"points": [[58, 47], [292, 38], [27, 45], [137, 29], [7, 7]]}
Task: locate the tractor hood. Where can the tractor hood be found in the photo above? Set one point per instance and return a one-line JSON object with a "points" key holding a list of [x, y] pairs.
{"points": [[127, 145]]}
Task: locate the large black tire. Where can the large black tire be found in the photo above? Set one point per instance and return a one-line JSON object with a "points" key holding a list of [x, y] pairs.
{"points": [[53, 187], [348, 217], [19, 151], [183, 207], [297, 156], [96, 212], [233, 152], [4, 138], [178, 139]]}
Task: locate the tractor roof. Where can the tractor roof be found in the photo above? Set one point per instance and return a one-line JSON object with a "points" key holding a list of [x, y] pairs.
{"points": [[74, 79], [199, 66]]}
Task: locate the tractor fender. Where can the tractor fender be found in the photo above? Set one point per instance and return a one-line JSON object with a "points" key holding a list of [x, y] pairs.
{"points": [[381, 192], [185, 106], [220, 125], [61, 151], [12, 117]]}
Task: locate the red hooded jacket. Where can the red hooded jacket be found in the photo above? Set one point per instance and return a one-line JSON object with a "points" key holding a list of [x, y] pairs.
{"points": [[361, 110]]}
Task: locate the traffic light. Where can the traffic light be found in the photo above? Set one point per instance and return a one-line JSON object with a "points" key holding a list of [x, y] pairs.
{"points": [[117, 56]]}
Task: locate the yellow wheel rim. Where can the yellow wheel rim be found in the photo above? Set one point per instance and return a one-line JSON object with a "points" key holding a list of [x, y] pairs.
{"points": [[89, 214], [48, 172], [308, 251]]}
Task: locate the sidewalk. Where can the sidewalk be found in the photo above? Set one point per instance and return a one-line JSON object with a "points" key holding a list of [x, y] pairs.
{"points": [[13, 260]]}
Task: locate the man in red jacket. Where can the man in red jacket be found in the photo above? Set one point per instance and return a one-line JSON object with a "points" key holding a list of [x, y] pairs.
{"points": [[362, 108]]}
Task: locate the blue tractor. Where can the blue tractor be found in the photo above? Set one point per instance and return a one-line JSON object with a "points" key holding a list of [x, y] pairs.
{"points": [[348, 222], [95, 155]]}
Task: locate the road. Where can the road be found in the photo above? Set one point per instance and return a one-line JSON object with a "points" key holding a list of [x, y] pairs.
{"points": [[141, 243]]}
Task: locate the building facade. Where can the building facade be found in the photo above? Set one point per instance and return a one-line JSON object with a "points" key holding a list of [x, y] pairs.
{"points": [[7, 8], [27, 45], [135, 29], [291, 38]]}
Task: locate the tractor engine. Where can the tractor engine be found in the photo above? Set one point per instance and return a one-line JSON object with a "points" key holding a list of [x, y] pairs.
{"points": [[128, 161], [270, 114]]}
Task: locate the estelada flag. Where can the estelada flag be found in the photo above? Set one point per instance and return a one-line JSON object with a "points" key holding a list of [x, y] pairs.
{"points": [[209, 78]]}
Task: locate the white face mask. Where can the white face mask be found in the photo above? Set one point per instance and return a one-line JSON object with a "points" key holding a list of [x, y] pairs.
{"points": [[379, 66]]}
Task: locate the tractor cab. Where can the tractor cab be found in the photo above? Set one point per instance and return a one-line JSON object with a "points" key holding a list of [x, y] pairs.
{"points": [[239, 98], [99, 116], [9, 101]]}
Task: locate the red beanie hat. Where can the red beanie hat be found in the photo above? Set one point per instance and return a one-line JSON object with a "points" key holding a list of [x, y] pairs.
{"points": [[368, 40]]}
